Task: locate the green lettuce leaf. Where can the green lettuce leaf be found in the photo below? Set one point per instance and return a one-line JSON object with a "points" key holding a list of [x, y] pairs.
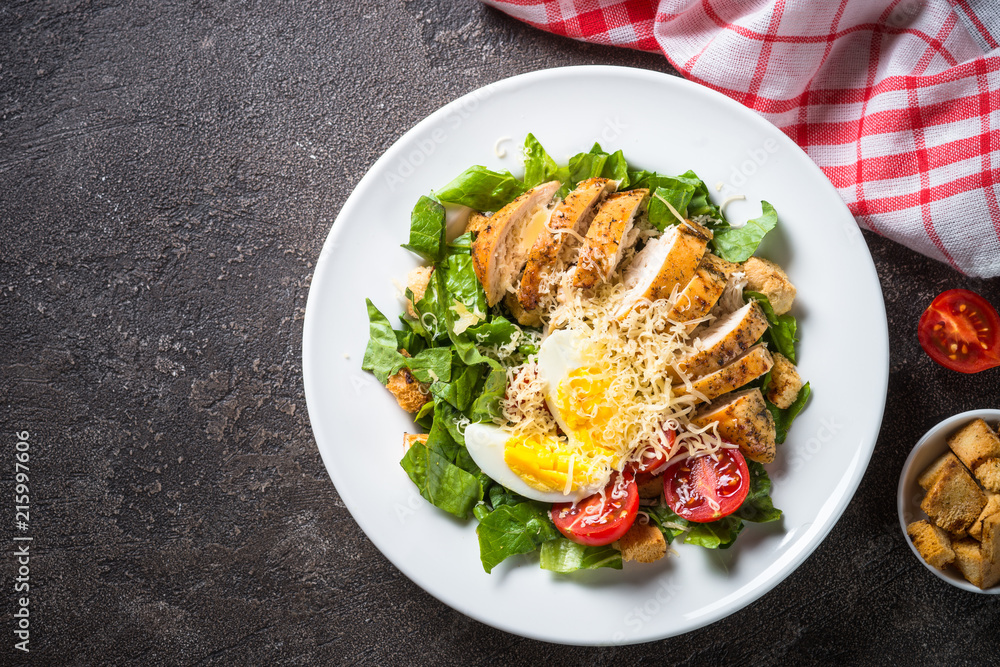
{"points": [[513, 529], [460, 392], [758, 506], [497, 331], [677, 193], [461, 245], [562, 555], [486, 407], [716, 534], [783, 418], [441, 482], [431, 365], [616, 169], [427, 230], [587, 165], [382, 357], [713, 535], [737, 244], [781, 329], [482, 189], [539, 167]]}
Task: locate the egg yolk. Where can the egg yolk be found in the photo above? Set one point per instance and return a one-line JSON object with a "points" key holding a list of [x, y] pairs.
{"points": [[580, 399], [548, 464]]}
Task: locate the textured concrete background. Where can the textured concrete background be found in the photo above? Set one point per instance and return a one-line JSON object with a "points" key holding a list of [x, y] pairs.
{"points": [[168, 173]]}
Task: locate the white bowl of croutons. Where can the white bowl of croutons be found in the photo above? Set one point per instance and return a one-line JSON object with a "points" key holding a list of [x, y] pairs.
{"points": [[949, 500]]}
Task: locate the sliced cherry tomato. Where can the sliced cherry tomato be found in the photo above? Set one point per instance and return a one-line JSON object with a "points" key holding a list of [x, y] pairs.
{"points": [[653, 460], [596, 521], [703, 488], [960, 330]]}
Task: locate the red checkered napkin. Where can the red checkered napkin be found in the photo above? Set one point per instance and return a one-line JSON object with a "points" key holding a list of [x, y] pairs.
{"points": [[898, 102]]}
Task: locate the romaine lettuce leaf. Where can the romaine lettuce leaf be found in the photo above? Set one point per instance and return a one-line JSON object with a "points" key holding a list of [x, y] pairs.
{"points": [[513, 529], [497, 331], [783, 418], [482, 189], [758, 506], [781, 329], [486, 407], [440, 481], [737, 244], [598, 163], [716, 534], [539, 167], [562, 555], [382, 357], [427, 230], [431, 365], [587, 165]]}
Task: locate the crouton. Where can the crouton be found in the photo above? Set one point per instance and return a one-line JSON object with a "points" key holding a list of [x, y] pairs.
{"points": [[988, 474], [955, 501], [417, 280], [975, 443], [410, 438], [643, 543], [970, 561], [933, 472], [785, 382], [650, 488], [992, 507], [477, 222], [770, 280], [410, 393], [933, 543]]}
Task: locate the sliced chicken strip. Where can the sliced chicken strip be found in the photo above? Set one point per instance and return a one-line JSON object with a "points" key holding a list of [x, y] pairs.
{"points": [[726, 339], [568, 224], [602, 249], [500, 251], [663, 264], [744, 420], [745, 369], [703, 291]]}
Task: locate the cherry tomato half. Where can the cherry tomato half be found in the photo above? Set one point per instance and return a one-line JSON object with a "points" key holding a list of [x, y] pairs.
{"points": [[597, 521], [960, 330], [653, 460], [703, 488]]}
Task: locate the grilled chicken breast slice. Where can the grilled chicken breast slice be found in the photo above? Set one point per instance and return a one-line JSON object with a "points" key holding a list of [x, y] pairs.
{"points": [[744, 420], [500, 251], [729, 378], [703, 290], [603, 246], [551, 251], [664, 263], [726, 339]]}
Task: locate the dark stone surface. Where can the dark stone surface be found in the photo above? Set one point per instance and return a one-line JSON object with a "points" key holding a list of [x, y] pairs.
{"points": [[168, 173]]}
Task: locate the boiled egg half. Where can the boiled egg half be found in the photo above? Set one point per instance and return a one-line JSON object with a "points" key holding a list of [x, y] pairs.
{"points": [[552, 468]]}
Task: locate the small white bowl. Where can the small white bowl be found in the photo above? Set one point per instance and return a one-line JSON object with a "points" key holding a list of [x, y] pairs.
{"points": [[908, 497]]}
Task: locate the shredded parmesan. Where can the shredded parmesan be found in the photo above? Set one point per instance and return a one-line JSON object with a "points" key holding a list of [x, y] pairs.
{"points": [[466, 318]]}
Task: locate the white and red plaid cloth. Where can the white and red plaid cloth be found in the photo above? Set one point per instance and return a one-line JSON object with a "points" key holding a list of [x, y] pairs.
{"points": [[897, 101]]}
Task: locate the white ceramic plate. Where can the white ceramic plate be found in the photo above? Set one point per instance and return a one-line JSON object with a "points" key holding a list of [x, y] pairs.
{"points": [[909, 495], [662, 123]]}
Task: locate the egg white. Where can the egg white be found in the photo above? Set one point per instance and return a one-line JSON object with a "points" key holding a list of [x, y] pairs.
{"points": [[486, 443], [561, 353]]}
